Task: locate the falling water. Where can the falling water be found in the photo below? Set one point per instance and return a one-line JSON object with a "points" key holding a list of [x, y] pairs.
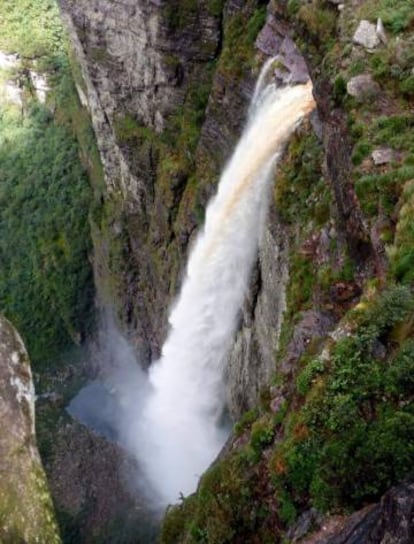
{"points": [[178, 432]]}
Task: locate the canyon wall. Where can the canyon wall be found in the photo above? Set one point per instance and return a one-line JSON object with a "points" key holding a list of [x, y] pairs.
{"points": [[26, 510], [321, 361], [168, 87]]}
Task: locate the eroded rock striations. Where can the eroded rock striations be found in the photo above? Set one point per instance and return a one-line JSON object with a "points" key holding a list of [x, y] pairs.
{"points": [[26, 511], [168, 102]]}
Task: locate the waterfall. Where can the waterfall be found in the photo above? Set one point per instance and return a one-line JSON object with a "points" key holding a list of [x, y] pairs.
{"points": [[178, 431]]}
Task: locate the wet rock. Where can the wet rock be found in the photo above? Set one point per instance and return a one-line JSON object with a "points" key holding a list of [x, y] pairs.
{"points": [[382, 155], [26, 512], [363, 87], [366, 35]]}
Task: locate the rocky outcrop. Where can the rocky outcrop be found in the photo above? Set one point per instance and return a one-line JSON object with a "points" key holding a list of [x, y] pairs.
{"points": [[140, 63], [134, 62], [99, 493], [251, 363], [168, 86], [26, 512], [389, 522]]}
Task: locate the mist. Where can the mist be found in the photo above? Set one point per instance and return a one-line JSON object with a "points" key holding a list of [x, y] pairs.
{"points": [[171, 417]]}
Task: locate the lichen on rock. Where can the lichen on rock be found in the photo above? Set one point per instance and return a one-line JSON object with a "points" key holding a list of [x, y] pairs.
{"points": [[26, 511]]}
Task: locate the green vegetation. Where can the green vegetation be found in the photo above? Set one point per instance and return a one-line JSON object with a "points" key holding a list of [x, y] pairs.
{"points": [[228, 504], [239, 35], [33, 29], [357, 427], [346, 438], [318, 18], [46, 284], [345, 433], [397, 15], [300, 190]]}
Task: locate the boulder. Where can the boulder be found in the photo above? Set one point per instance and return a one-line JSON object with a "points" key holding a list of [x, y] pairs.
{"points": [[366, 35], [382, 155], [362, 87], [274, 40], [389, 522], [313, 324]]}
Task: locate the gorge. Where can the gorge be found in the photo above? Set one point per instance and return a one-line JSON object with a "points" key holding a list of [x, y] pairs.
{"points": [[114, 134]]}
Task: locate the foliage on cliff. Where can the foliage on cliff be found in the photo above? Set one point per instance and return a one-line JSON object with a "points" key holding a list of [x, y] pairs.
{"points": [[46, 285], [336, 429]]}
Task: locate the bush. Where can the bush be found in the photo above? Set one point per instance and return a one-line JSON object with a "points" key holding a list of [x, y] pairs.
{"points": [[46, 285], [353, 437]]}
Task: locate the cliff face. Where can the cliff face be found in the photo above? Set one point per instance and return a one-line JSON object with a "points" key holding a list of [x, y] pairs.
{"points": [[327, 322], [26, 511], [334, 429], [168, 88]]}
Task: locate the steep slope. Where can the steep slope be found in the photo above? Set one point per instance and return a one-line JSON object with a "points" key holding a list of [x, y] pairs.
{"points": [[165, 127], [26, 511], [336, 427], [327, 322]]}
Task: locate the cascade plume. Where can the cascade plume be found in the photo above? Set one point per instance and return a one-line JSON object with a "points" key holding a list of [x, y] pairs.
{"points": [[179, 431]]}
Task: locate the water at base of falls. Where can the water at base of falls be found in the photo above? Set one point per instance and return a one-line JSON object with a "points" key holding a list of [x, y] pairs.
{"points": [[175, 430]]}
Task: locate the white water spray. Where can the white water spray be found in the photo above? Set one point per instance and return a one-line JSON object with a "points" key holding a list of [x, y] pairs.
{"points": [[178, 433]]}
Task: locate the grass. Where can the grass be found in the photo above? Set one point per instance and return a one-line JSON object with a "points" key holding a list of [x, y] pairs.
{"points": [[397, 15], [239, 35]]}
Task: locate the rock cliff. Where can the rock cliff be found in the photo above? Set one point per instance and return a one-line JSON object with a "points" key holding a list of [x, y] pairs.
{"points": [[168, 89], [323, 355], [26, 511]]}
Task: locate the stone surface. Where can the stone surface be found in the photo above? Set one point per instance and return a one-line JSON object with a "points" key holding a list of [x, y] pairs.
{"points": [[381, 31], [304, 524], [99, 488], [313, 324], [137, 64], [289, 64], [251, 362], [382, 155], [363, 87], [366, 35], [40, 85], [389, 522], [8, 61], [144, 69], [26, 512]]}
